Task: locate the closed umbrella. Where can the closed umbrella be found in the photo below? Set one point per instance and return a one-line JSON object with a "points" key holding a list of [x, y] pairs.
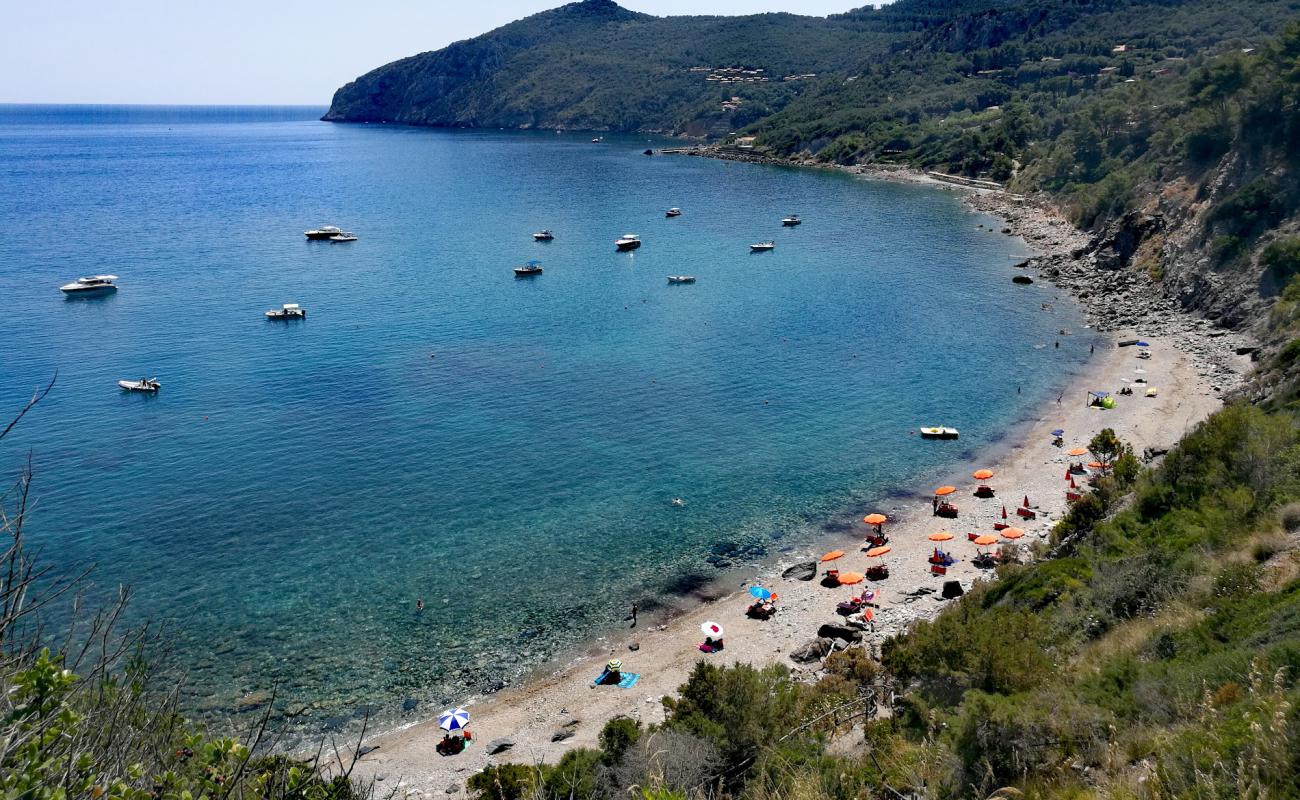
{"points": [[453, 719]]}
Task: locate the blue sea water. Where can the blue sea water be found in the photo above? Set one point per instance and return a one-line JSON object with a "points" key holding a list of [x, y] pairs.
{"points": [[504, 449]]}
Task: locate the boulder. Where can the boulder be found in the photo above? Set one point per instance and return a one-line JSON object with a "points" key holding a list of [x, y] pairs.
{"points": [[499, 746], [801, 572], [812, 650], [835, 631], [561, 735], [1023, 279], [952, 589]]}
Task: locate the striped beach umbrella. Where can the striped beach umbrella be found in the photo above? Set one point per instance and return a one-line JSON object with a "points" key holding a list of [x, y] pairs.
{"points": [[453, 719]]}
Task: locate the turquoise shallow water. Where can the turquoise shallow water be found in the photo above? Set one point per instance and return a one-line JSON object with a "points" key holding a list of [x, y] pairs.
{"points": [[505, 449]]}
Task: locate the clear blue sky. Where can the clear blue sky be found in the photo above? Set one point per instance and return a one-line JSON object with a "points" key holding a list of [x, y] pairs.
{"points": [[255, 51]]}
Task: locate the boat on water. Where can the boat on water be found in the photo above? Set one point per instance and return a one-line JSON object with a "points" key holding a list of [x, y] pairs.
{"points": [[90, 286], [142, 385], [287, 311], [681, 279], [598, 140], [762, 247], [628, 241], [343, 237], [939, 432], [323, 233], [792, 221], [528, 270], [673, 212], [544, 236]]}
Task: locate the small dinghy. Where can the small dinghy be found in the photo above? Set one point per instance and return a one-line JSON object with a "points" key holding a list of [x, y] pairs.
{"points": [[939, 432], [544, 236], [681, 279], [343, 237], [762, 247], [142, 385]]}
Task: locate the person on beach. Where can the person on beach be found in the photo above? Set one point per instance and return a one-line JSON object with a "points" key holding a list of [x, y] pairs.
{"points": [[634, 615]]}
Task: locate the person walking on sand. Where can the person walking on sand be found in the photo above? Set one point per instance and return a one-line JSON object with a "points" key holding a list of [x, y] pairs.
{"points": [[634, 615]]}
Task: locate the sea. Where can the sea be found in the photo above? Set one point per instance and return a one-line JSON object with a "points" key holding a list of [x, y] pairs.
{"points": [[504, 450]]}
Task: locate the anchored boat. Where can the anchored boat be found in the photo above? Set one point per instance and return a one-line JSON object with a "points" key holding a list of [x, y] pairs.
{"points": [[762, 247], [90, 286], [287, 311], [939, 433], [528, 270], [142, 385], [628, 241]]}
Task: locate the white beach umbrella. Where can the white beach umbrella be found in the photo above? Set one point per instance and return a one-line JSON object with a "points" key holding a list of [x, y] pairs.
{"points": [[712, 629], [453, 719]]}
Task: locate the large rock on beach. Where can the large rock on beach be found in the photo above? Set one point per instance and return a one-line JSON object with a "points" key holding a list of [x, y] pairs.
{"points": [[499, 746], [801, 572], [813, 650], [834, 631]]}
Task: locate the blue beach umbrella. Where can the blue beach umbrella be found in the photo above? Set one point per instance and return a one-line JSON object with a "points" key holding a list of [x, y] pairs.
{"points": [[760, 593], [1058, 432], [453, 720]]}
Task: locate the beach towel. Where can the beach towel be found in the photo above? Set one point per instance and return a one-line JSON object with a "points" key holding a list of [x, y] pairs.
{"points": [[628, 680]]}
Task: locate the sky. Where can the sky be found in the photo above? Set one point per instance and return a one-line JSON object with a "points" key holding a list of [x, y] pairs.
{"points": [[256, 51]]}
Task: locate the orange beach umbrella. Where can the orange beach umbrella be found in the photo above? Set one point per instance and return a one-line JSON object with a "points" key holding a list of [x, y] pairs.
{"points": [[877, 552], [849, 578], [1079, 451], [944, 491], [1097, 465], [941, 536], [875, 519], [1012, 533], [832, 555], [985, 540], [982, 474]]}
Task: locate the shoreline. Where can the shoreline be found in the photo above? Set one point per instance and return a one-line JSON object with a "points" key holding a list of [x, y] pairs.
{"points": [[554, 709]]}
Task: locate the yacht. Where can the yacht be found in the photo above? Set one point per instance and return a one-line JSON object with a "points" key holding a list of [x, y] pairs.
{"points": [[287, 311], [343, 237], [142, 385], [762, 247], [792, 221], [93, 285], [681, 279], [628, 241], [323, 232], [543, 236], [529, 269], [673, 212]]}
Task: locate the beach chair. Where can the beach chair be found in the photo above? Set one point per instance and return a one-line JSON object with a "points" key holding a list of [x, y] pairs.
{"points": [[1071, 497], [997, 526], [938, 569], [1026, 513], [970, 537]]}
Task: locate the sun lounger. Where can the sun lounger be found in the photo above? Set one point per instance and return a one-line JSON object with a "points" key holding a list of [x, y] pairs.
{"points": [[1073, 496], [997, 526], [936, 569], [1026, 513]]}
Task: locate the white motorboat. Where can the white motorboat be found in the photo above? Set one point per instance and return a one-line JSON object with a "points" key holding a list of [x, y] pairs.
{"points": [[792, 221], [681, 279], [343, 237], [628, 241], [673, 212], [598, 140], [92, 285], [287, 311], [529, 269], [323, 232], [762, 247], [142, 385], [543, 236], [939, 432]]}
